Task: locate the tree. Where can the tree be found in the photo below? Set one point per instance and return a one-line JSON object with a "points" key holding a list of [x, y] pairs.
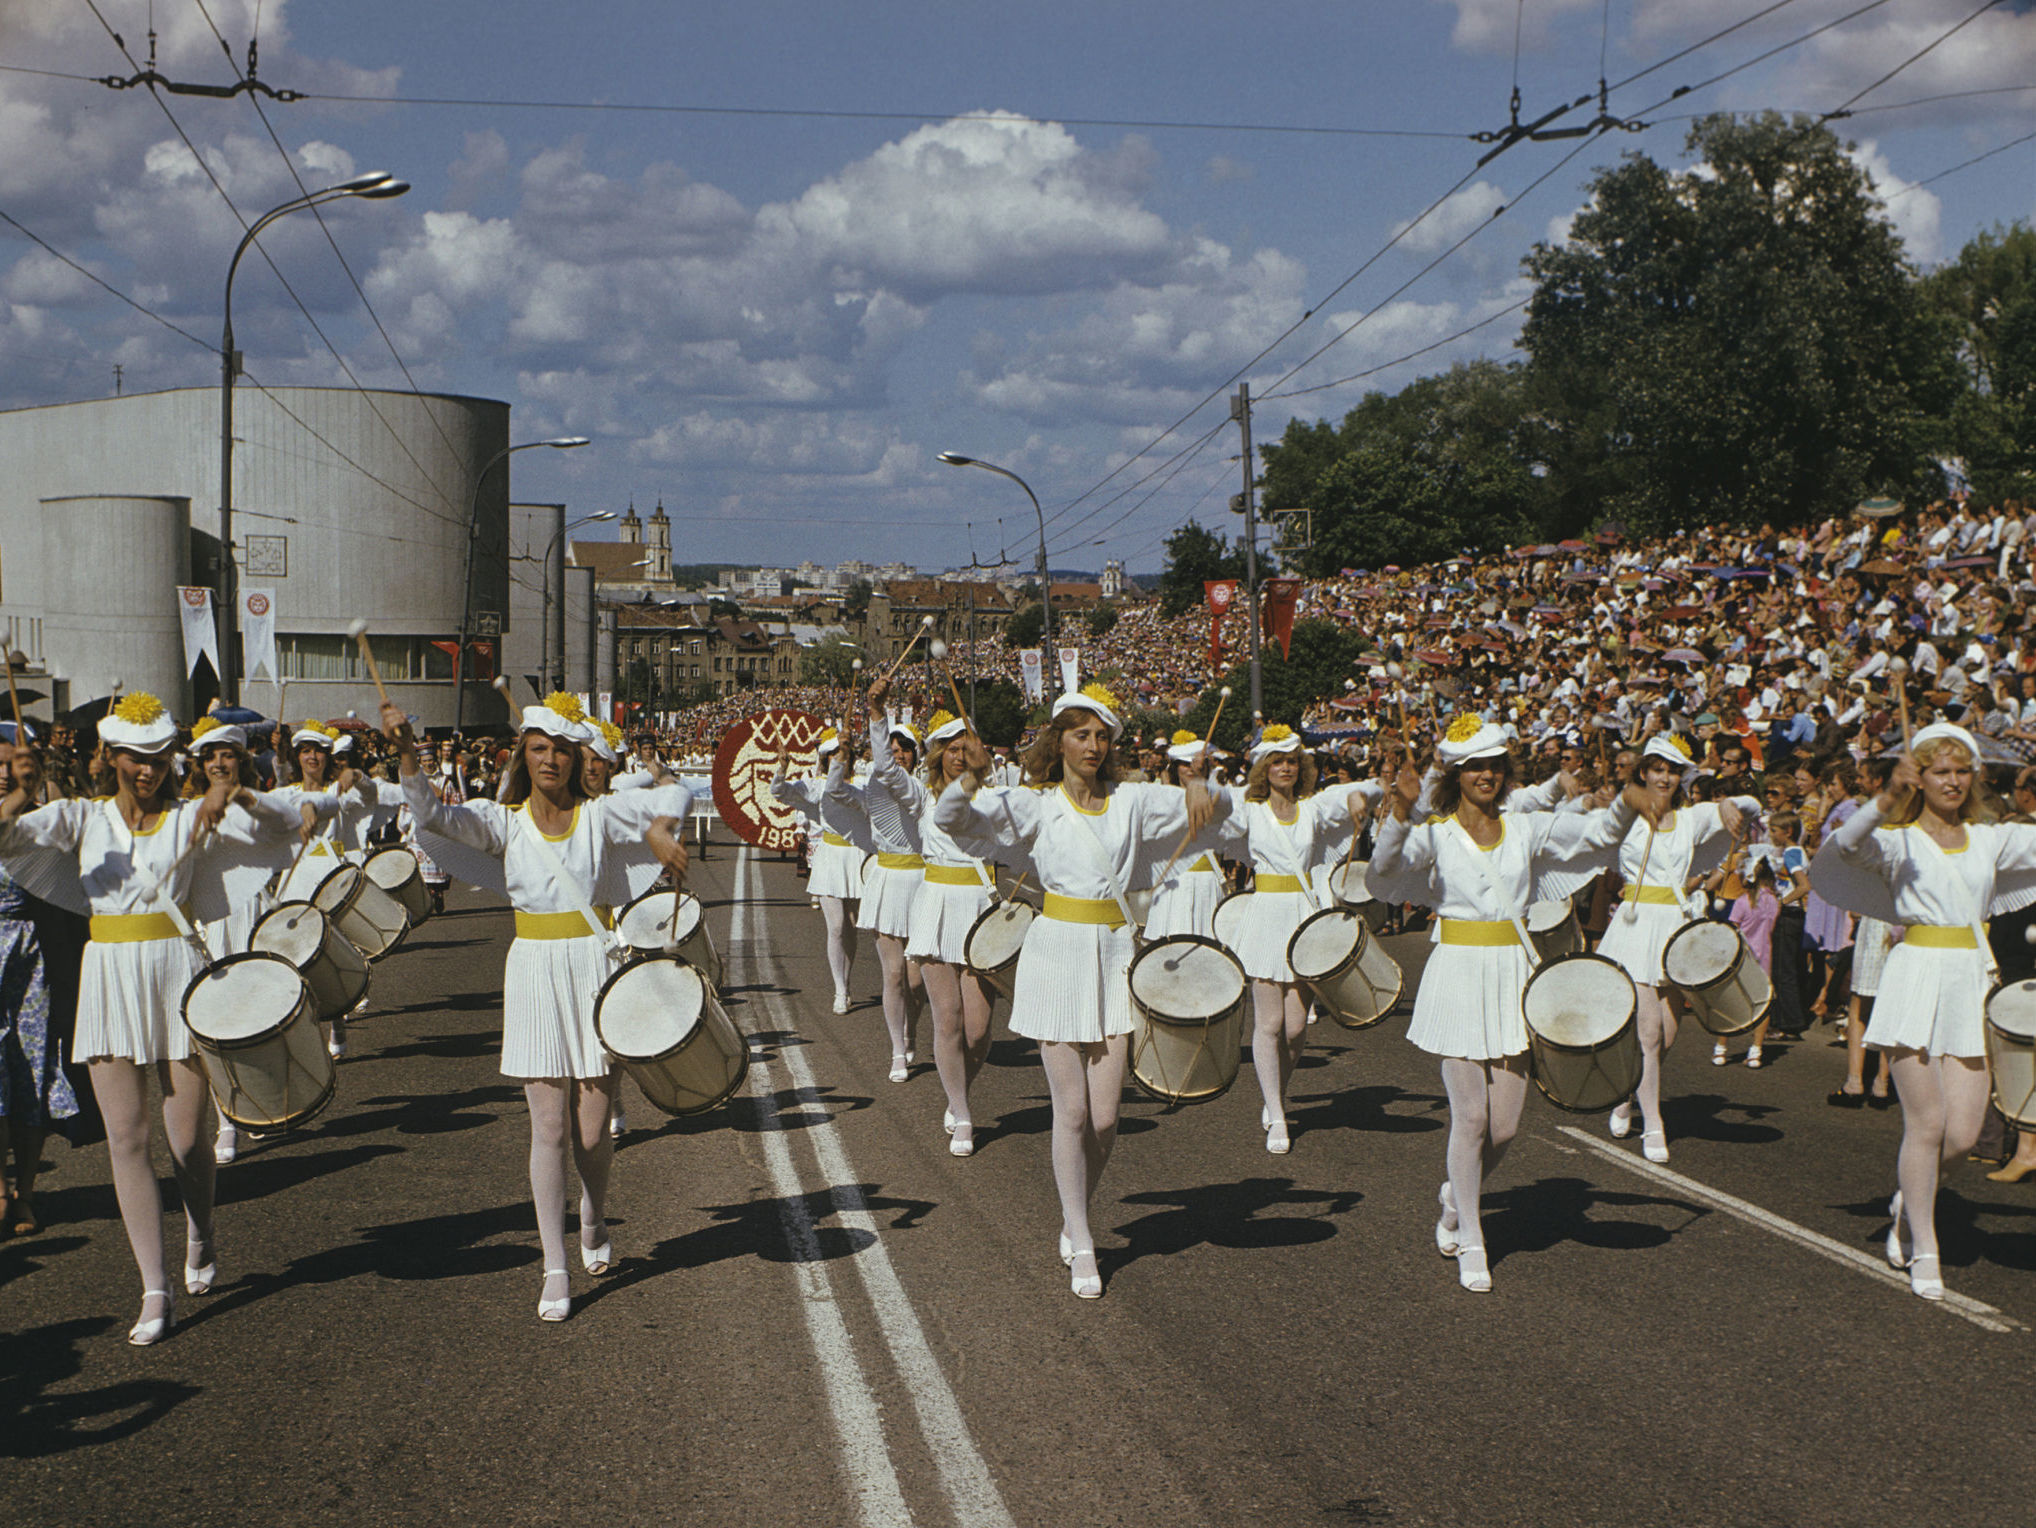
{"points": [[1194, 555], [639, 685], [1987, 298], [857, 605], [830, 661], [1323, 655], [1101, 619], [1027, 626], [1740, 341], [1000, 712]]}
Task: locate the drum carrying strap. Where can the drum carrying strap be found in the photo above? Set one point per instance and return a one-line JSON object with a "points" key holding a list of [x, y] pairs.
{"points": [[1516, 916], [617, 949], [1978, 927], [1287, 851], [159, 891], [1109, 865]]}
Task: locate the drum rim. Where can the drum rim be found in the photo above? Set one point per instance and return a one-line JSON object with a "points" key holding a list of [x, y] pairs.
{"points": [[1356, 949], [998, 906], [262, 1036], [1986, 1008], [1632, 1013], [742, 1039], [706, 991], [684, 896], [292, 907], [1724, 976], [1243, 990]]}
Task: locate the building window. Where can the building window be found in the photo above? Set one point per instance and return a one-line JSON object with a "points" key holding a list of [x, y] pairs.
{"points": [[337, 658], [696, 649]]}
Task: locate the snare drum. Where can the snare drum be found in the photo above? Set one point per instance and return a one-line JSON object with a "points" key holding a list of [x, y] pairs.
{"points": [[1350, 974], [1228, 918], [1554, 929], [667, 921], [1710, 965], [255, 1026], [1187, 1013], [372, 921], [1347, 884], [302, 877], [994, 940], [397, 872], [1580, 1032], [332, 968], [2011, 1050], [659, 1018]]}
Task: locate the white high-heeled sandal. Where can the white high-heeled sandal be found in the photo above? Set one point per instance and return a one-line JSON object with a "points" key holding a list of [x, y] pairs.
{"points": [[1277, 1141], [199, 1281], [598, 1260], [1086, 1286], [225, 1145], [961, 1141], [1654, 1145], [1621, 1124], [901, 1067], [145, 1333], [562, 1307], [1896, 1257], [1446, 1240], [1067, 1250], [1925, 1277], [1471, 1270]]}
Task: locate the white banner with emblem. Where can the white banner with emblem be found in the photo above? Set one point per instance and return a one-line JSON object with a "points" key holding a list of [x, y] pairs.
{"points": [[258, 633], [201, 637], [1030, 664]]}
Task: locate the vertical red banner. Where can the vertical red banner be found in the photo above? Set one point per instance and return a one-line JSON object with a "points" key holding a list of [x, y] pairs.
{"points": [[1221, 594], [1281, 595]]}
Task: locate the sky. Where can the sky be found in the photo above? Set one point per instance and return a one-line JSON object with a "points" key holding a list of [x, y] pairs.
{"points": [[1054, 236]]}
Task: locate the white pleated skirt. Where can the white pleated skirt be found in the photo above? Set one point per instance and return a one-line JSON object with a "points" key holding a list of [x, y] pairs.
{"points": [[1930, 1000], [942, 916], [1185, 905], [131, 1001], [836, 871], [1468, 1004], [1638, 945], [887, 901], [1870, 943], [549, 987], [1264, 929], [1074, 982]]}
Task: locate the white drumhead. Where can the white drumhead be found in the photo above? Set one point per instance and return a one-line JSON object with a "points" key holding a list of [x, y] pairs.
{"points": [[242, 998], [999, 934], [1700, 953], [1182, 977], [1324, 942], [1347, 882], [1579, 1001], [391, 868], [650, 1007], [337, 889], [1228, 912], [647, 922], [2012, 1010], [1543, 916], [295, 931]]}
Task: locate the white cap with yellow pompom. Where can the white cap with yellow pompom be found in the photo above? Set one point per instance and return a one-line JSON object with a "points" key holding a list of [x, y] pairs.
{"points": [[1469, 737], [607, 739], [316, 733], [1278, 738], [1671, 747], [1096, 698], [139, 723], [561, 716], [211, 732], [829, 741], [1184, 747], [942, 726]]}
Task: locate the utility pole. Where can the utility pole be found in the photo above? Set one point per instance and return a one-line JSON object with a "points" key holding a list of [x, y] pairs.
{"points": [[1240, 410], [116, 379]]}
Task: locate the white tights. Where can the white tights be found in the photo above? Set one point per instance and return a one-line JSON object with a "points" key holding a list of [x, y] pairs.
{"points": [[1278, 1035], [961, 1030], [1944, 1103], [121, 1088], [569, 1110], [1485, 1100], [840, 940], [1086, 1082], [1657, 1025], [900, 977]]}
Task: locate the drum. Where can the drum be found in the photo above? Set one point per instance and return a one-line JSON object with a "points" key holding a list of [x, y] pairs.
{"points": [[1347, 884], [2011, 1050], [1228, 911], [995, 939], [665, 921], [1710, 965], [372, 921], [312, 866], [1580, 1032], [397, 872], [1554, 929], [332, 968], [658, 1016], [1349, 973], [1187, 1012], [252, 1018]]}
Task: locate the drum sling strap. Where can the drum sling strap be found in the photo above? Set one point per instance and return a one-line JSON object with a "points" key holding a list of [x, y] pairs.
{"points": [[1979, 932], [617, 950], [159, 892], [1517, 917], [1290, 854]]}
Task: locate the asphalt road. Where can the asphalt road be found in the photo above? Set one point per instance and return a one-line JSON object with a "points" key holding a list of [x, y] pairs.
{"points": [[821, 1317]]}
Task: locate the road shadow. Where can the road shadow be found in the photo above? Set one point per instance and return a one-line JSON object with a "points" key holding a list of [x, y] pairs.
{"points": [[34, 1423], [765, 1044], [471, 1046], [1245, 1215], [1366, 1109], [1039, 1119], [1968, 1230], [453, 1002], [784, 1110], [1714, 1117], [423, 1113], [22, 1255], [1550, 1211]]}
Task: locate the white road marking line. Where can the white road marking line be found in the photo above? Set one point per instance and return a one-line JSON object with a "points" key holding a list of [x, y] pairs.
{"points": [[964, 1473], [1965, 1307], [858, 1420]]}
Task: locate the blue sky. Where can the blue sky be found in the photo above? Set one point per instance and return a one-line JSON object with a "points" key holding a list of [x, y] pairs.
{"points": [[775, 322]]}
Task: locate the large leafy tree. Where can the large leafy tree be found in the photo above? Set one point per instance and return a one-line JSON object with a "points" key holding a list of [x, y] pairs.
{"points": [[1194, 554], [1987, 298], [1741, 340]]}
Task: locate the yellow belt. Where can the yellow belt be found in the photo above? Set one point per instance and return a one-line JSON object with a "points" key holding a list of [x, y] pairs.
{"points": [[1657, 895], [829, 836], [1930, 936], [1278, 883], [1204, 863], [952, 875], [133, 928], [1103, 910], [901, 862], [567, 925], [1471, 931]]}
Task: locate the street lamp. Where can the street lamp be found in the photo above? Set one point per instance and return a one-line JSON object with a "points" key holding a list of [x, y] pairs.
{"points": [[956, 459], [378, 185], [459, 673], [544, 575]]}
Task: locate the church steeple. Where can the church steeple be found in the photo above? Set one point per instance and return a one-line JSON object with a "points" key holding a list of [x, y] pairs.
{"points": [[632, 528], [660, 547]]}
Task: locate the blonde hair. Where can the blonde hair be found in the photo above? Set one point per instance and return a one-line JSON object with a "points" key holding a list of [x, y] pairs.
{"points": [[1258, 784], [1043, 762], [1978, 805], [516, 778]]}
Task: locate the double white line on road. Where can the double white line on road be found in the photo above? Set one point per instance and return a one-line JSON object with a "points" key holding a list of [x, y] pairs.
{"points": [[965, 1478]]}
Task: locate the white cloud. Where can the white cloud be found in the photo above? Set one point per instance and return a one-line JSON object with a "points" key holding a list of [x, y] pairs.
{"points": [[1914, 212], [1487, 26], [1457, 216]]}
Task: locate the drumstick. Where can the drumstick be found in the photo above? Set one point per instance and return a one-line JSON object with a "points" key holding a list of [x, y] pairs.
{"points": [[14, 695], [925, 625], [1222, 696], [1898, 678], [359, 632], [938, 649]]}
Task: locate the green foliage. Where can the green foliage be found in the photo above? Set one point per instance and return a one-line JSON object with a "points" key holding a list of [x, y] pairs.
{"points": [[857, 604], [1987, 300], [1000, 712], [719, 606], [1101, 619], [639, 685], [1194, 555], [1324, 655], [830, 661], [1026, 626]]}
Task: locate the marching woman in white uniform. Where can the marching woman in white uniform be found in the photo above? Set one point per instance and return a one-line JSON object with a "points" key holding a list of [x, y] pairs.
{"points": [[1916, 857], [834, 879], [1184, 897], [1480, 867], [894, 880], [556, 852], [1293, 835], [1083, 837], [955, 892], [131, 858], [1657, 864]]}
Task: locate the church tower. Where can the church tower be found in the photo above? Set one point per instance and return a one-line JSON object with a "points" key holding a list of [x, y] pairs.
{"points": [[660, 548], [632, 528]]}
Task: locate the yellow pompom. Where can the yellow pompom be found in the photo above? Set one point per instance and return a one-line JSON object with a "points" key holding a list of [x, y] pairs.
{"points": [[1102, 694], [1182, 738], [1679, 744], [938, 720], [565, 705], [203, 725], [1465, 727], [827, 735], [139, 709], [610, 732], [1278, 732]]}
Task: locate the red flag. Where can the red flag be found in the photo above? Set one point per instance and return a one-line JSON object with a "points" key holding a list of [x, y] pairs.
{"points": [[1222, 594], [1281, 595]]}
